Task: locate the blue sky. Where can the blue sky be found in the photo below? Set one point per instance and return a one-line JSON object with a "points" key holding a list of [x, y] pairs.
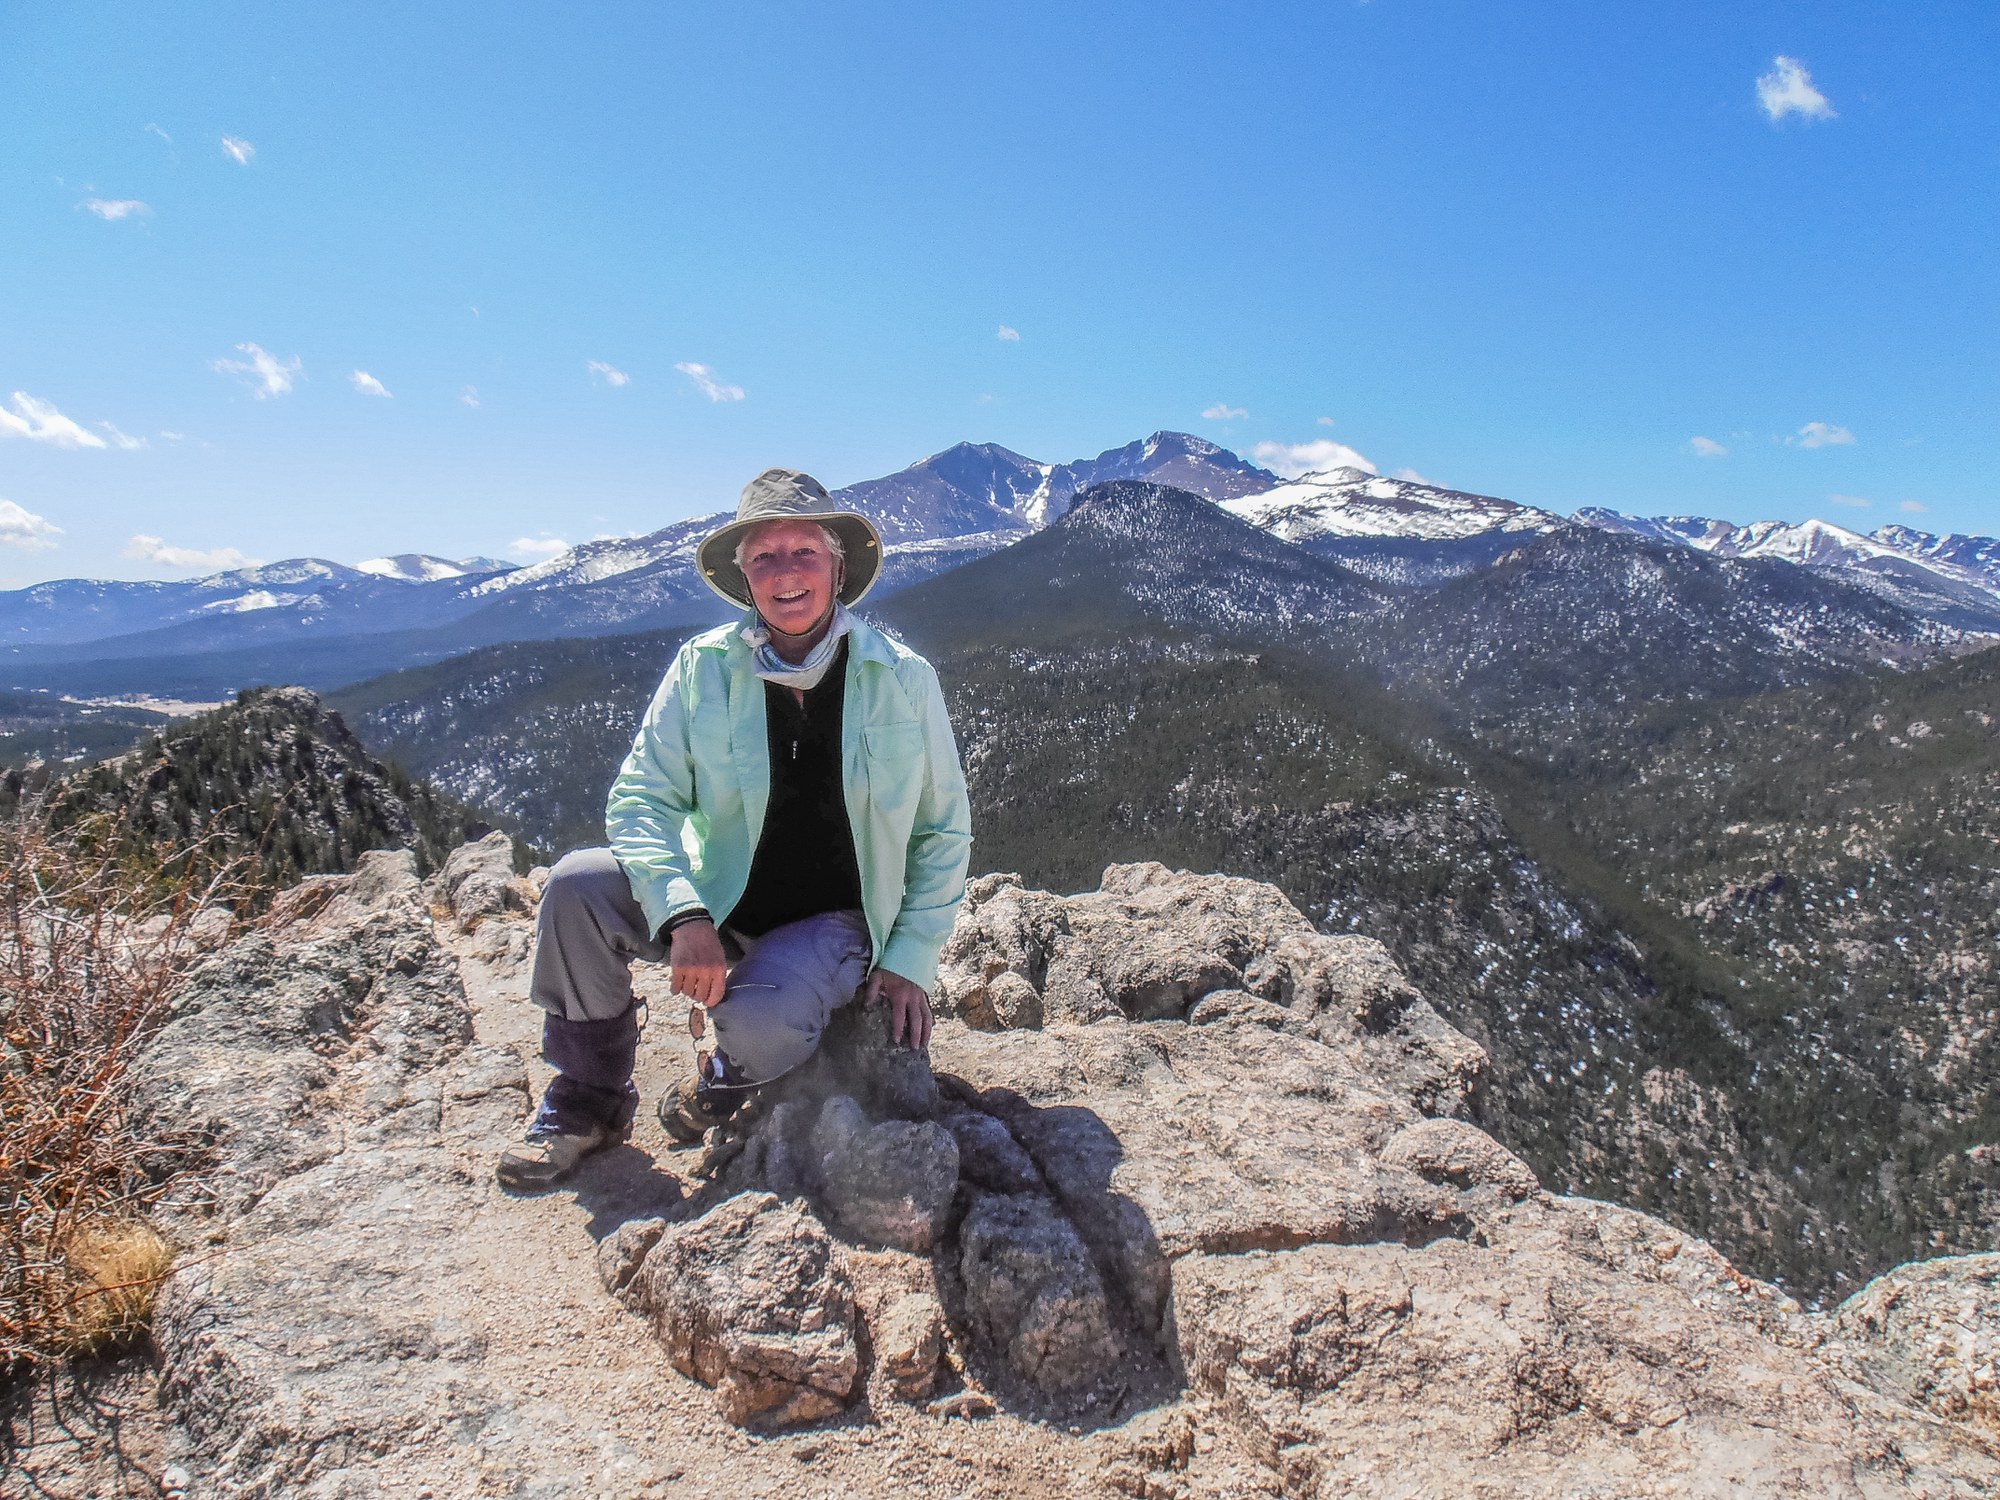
{"points": [[1534, 251]]}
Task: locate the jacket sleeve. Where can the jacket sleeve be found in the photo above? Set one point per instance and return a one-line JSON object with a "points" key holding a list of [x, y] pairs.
{"points": [[940, 848], [652, 800]]}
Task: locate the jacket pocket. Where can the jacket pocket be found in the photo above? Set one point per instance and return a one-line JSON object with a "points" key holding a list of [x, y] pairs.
{"points": [[895, 764]]}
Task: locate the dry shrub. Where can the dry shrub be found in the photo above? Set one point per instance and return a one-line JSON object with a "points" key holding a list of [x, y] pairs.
{"points": [[93, 941], [117, 1265]]}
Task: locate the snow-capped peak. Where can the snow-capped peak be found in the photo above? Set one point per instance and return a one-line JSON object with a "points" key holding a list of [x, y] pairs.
{"points": [[413, 567]]}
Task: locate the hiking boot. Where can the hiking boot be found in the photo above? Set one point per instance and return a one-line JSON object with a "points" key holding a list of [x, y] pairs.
{"points": [[695, 1108], [548, 1156]]}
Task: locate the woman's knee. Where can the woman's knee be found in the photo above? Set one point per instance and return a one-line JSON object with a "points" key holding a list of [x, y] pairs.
{"points": [[581, 876], [763, 1040]]}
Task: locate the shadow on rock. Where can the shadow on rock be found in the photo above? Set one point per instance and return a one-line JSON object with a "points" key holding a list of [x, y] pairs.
{"points": [[625, 1183]]}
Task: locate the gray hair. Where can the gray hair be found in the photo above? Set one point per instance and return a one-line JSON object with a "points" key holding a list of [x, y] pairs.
{"points": [[833, 542]]}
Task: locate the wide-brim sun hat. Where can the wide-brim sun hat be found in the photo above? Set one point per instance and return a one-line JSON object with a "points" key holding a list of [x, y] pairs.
{"points": [[789, 495]]}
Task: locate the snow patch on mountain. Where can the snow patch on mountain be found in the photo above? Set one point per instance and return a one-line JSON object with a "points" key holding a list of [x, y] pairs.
{"points": [[256, 599], [1354, 503], [421, 567]]}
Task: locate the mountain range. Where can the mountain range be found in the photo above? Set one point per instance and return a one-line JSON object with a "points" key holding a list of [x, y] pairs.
{"points": [[326, 624]]}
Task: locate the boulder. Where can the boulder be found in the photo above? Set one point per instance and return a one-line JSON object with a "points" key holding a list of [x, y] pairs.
{"points": [[1033, 1293], [910, 1338], [751, 1298], [892, 1184], [478, 881], [1453, 1153]]}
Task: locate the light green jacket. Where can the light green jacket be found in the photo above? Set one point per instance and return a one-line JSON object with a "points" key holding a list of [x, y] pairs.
{"points": [[686, 811]]}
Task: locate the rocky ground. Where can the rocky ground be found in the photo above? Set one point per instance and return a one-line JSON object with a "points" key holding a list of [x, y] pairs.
{"points": [[1189, 1208]]}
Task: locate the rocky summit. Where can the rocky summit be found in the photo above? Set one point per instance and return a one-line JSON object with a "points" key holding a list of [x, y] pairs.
{"points": [[1186, 1201]]}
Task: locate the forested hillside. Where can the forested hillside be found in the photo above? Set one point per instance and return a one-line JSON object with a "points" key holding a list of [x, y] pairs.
{"points": [[272, 779]]}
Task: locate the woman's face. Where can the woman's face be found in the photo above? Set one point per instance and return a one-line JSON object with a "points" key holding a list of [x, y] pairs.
{"points": [[792, 574]]}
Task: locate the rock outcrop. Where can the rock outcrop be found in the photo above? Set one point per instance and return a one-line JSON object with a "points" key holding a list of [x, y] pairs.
{"points": [[327, 1063], [1192, 1188]]}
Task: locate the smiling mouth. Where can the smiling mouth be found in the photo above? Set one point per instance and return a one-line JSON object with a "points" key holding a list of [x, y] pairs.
{"points": [[792, 598]]}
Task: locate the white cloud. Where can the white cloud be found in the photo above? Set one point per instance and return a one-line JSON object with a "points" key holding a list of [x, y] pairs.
{"points": [[1412, 476], [537, 548], [152, 549], [611, 374], [40, 422], [20, 527], [1852, 502], [152, 129], [706, 382], [111, 210], [122, 439], [1290, 460], [1323, 421], [1822, 435], [235, 146], [172, 437], [1914, 508], [1706, 447], [368, 385], [269, 375], [1008, 335], [1222, 411], [1788, 90], [470, 395]]}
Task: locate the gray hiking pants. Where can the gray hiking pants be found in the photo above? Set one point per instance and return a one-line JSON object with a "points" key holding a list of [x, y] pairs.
{"points": [[775, 1004]]}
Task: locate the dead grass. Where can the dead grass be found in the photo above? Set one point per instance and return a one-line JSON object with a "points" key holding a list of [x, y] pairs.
{"points": [[92, 946], [117, 1266]]}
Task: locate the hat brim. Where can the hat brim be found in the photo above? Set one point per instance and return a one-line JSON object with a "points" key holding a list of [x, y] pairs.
{"points": [[716, 556]]}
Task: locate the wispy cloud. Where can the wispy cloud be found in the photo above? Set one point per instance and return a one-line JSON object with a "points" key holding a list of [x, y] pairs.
{"points": [[1852, 502], [172, 437], [610, 374], [39, 422], [1222, 411], [113, 209], [121, 439], [240, 150], [1914, 508], [152, 129], [1822, 435], [1706, 447], [1008, 335], [152, 549], [470, 395], [537, 548], [266, 374], [21, 527], [368, 385], [1412, 476], [1290, 460], [1323, 421], [707, 382], [1788, 90]]}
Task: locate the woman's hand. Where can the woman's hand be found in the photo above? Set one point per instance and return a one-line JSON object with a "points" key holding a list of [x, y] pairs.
{"points": [[699, 965], [909, 1007]]}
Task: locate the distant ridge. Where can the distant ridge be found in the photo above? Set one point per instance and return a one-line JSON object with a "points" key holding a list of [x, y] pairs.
{"points": [[293, 620]]}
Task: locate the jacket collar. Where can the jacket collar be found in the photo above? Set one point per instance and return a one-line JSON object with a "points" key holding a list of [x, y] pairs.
{"points": [[864, 641]]}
